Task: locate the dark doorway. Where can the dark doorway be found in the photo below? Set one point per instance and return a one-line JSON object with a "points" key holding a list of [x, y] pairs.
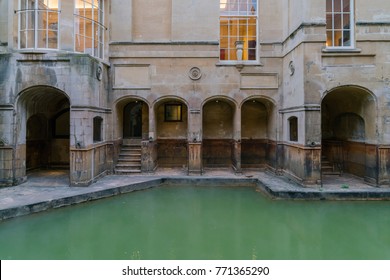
{"points": [[132, 120], [349, 133], [47, 128]]}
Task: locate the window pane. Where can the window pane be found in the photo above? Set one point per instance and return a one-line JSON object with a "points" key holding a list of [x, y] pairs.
{"points": [[346, 6], [30, 39], [337, 6], [41, 37], [346, 21], [329, 39], [88, 46], [42, 19], [337, 38], [88, 10], [329, 21], [337, 21], [23, 21], [329, 6], [88, 28], [253, 7], [79, 43], [347, 38], [22, 39]]}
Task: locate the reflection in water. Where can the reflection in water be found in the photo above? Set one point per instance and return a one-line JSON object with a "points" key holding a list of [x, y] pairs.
{"points": [[187, 222]]}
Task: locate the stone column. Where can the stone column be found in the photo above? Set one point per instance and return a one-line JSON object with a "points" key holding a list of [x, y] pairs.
{"points": [[149, 146], [236, 143], [195, 142], [152, 124], [148, 156]]}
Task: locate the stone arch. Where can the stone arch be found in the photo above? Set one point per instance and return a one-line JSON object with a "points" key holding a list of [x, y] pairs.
{"points": [[349, 132], [258, 126], [38, 142], [124, 127], [218, 125], [171, 118]]}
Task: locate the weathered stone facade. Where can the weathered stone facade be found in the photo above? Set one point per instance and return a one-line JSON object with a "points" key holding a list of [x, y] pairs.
{"points": [[232, 114]]}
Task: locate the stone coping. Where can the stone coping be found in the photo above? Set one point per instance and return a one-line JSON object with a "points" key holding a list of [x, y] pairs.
{"points": [[20, 201]]}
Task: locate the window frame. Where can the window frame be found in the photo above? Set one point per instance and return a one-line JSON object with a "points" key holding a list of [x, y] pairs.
{"points": [[169, 115], [236, 61], [351, 26], [100, 27], [35, 29]]}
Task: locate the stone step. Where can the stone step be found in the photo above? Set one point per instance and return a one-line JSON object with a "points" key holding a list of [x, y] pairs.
{"points": [[129, 161], [331, 173], [132, 142], [131, 147], [125, 172], [129, 164], [130, 152]]}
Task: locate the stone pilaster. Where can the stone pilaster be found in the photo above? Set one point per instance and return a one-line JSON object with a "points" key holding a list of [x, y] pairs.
{"points": [[194, 158]]}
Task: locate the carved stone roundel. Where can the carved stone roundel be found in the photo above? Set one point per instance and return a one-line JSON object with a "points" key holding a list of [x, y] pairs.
{"points": [[195, 73], [99, 73], [291, 68]]}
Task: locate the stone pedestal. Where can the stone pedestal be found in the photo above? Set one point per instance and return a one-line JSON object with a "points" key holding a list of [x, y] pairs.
{"points": [[236, 156], [194, 158], [149, 156]]}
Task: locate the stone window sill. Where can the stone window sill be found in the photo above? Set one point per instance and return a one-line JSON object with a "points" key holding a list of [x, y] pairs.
{"points": [[341, 50]]}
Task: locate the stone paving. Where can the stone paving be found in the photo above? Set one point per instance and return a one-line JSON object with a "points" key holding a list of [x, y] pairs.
{"points": [[50, 189]]}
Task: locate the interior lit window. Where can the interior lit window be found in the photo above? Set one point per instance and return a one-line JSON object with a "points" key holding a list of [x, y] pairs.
{"points": [[173, 113], [238, 30], [38, 24], [89, 27], [339, 23]]}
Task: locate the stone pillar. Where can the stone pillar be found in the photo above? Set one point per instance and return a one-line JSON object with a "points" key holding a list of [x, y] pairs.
{"points": [[148, 156], [236, 156], [152, 125], [149, 146], [195, 159], [384, 165], [236, 143], [7, 147], [312, 165]]}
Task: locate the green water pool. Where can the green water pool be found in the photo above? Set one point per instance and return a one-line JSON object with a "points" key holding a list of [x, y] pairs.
{"points": [[201, 222]]}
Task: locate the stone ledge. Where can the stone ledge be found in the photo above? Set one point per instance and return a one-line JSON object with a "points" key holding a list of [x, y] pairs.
{"points": [[274, 187]]}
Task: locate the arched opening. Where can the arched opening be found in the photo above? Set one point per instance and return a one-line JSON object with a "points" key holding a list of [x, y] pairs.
{"points": [[131, 127], [133, 119], [257, 147], [293, 129], [171, 132], [348, 118], [44, 116], [217, 123]]}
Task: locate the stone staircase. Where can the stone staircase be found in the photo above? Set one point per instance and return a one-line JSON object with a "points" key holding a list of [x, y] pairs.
{"points": [[129, 161], [330, 168]]}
